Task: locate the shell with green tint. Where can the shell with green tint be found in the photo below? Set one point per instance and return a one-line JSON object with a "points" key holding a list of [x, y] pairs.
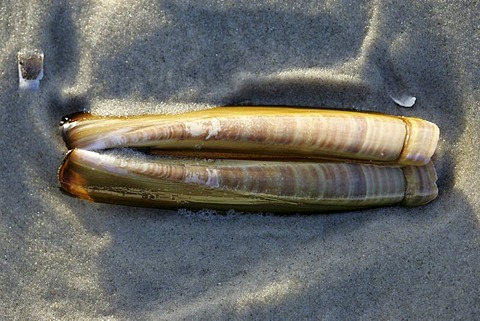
{"points": [[244, 185]]}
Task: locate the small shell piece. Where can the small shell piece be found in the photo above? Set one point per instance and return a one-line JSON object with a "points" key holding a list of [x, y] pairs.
{"points": [[30, 69], [243, 184], [296, 132]]}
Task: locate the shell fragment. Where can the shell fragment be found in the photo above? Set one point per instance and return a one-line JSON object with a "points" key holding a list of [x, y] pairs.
{"points": [[30, 69]]}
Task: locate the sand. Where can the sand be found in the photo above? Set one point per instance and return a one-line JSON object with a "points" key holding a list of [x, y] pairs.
{"points": [[68, 259]]}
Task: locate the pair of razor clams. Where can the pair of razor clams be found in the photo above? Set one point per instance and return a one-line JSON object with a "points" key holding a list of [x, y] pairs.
{"points": [[265, 159]]}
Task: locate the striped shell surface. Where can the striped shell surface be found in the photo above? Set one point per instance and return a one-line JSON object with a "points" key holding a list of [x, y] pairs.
{"points": [[243, 184], [288, 132], [252, 159]]}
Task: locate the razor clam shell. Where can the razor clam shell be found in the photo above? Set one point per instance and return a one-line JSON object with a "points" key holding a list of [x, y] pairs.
{"points": [[244, 185], [295, 132]]}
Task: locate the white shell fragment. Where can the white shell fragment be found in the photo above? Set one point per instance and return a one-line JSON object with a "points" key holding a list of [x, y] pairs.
{"points": [[404, 100], [30, 69]]}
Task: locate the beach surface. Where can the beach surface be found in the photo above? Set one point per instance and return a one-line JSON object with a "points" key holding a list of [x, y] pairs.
{"points": [[67, 259]]}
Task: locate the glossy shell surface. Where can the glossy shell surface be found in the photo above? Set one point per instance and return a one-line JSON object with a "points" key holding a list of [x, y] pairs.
{"points": [[283, 132], [243, 185]]}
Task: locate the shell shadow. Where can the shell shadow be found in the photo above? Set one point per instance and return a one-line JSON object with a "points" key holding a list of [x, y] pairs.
{"points": [[217, 44]]}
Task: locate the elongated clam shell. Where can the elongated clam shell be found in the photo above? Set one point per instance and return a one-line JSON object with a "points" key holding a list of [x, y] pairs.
{"points": [[242, 184], [296, 132]]}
